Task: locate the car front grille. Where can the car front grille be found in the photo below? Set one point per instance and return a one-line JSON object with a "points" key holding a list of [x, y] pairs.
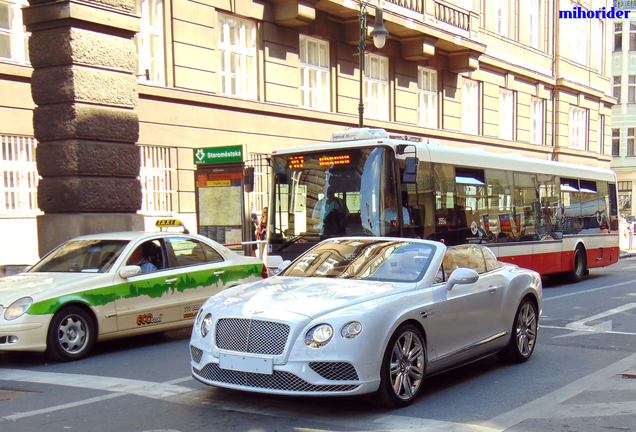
{"points": [[279, 380], [335, 371], [251, 336], [196, 353]]}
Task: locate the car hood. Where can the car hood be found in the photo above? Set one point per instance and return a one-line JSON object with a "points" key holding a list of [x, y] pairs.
{"points": [[310, 297], [38, 285]]}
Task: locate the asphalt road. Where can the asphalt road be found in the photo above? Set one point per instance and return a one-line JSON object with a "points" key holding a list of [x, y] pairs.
{"points": [[579, 379]]}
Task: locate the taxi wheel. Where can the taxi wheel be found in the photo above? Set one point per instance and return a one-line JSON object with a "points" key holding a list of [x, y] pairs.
{"points": [[403, 368], [71, 334]]}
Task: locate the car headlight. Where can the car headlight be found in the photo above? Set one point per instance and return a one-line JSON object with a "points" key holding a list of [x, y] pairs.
{"points": [[197, 321], [206, 325], [319, 335], [18, 308], [351, 330]]}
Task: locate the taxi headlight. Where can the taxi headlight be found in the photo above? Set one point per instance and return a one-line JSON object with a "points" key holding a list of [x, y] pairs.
{"points": [[351, 330], [319, 336], [206, 325], [18, 308]]}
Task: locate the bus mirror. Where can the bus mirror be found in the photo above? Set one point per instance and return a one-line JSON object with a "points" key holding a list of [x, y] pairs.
{"points": [[248, 179], [410, 170]]}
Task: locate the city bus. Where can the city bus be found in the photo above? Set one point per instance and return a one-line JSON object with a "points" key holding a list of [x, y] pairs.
{"points": [[551, 217]]}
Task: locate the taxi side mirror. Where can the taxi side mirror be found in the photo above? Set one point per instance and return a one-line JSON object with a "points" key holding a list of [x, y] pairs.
{"points": [[129, 271]]}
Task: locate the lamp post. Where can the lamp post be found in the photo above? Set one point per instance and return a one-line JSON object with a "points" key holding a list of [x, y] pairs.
{"points": [[379, 34]]}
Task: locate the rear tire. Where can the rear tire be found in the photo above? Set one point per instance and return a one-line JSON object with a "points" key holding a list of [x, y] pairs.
{"points": [[524, 334], [579, 271], [71, 334], [403, 368]]}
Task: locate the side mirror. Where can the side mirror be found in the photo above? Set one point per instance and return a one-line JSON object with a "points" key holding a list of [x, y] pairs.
{"points": [[283, 265], [410, 170], [248, 179], [462, 276], [129, 271]]}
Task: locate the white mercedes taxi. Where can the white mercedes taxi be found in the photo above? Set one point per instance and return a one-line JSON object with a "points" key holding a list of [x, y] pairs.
{"points": [[367, 315], [102, 286]]}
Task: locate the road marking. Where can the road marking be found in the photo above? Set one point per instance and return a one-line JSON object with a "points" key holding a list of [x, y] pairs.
{"points": [[147, 389], [589, 330], [544, 406], [588, 291], [18, 416]]}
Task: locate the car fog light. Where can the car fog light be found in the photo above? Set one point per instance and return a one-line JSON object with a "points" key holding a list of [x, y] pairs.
{"points": [[206, 325], [13, 339], [319, 336], [351, 330]]}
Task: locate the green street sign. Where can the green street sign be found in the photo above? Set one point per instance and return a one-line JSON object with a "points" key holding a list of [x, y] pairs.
{"points": [[215, 155]]}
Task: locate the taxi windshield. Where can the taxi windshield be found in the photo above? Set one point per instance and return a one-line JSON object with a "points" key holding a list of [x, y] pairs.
{"points": [[370, 259], [86, 256]]}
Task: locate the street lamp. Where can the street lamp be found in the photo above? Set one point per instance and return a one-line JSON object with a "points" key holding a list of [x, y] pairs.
{"points": [[379, 34]]}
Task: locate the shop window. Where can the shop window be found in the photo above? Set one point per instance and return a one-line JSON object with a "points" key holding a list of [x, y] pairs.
{"points": [[19, 176], [156, 176]]}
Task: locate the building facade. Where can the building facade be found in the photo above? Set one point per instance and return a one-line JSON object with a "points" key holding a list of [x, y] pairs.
{"points": [[506, 75], [623, 69]]}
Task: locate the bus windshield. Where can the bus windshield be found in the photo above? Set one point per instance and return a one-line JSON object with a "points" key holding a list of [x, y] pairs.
{"points": [[332, 193]]}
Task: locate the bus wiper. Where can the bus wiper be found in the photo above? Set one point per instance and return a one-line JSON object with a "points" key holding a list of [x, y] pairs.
{"points": [[298, 238]]}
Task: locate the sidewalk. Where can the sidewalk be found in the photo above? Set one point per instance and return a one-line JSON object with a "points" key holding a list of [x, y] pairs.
{"points": [[627, 253]]}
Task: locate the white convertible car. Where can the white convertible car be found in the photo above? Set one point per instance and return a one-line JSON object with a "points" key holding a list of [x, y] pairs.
{"points": [[367, 315], [116, 284]]}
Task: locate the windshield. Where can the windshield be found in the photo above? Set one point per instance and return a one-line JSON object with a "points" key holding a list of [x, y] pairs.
{"points": [[330, 194], [88, 256], [380, 260]]}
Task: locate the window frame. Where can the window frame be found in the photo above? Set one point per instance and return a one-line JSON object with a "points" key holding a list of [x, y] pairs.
{"points": [[506, 114], [246, 78], [578, 128], [471, 107], [16, 32], [427, 97], [376, 107], [537, 117], [314, 97], [616, 142], [157, 177], [147, 31], [618, 37]]}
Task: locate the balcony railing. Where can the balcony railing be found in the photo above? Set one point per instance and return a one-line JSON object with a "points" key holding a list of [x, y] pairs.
{"points": [[452, 16], [414, 5]]}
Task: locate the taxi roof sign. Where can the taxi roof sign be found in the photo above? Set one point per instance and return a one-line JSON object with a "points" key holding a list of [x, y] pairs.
{"points": [[167, 223], [358, 134]]}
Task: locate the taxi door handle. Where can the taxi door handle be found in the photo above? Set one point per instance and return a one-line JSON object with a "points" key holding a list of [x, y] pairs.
{"points": [[219, 273], [169, 281], [492, 289]]}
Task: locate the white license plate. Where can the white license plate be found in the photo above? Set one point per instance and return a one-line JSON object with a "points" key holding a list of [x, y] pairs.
{"points": [[261, 365]]}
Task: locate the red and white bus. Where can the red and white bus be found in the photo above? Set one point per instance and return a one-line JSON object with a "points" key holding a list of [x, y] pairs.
{"points": [[551, 217]]}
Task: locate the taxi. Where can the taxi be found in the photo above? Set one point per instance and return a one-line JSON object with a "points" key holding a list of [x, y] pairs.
{"points": [[102, 286]]}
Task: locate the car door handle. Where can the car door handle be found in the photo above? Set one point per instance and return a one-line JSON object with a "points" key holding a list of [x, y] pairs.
{"points": [[492, 289], [169, 281], [219, 273]]}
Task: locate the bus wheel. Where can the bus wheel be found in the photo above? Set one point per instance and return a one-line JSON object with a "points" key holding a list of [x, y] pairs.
{"points": [[580, 265]]}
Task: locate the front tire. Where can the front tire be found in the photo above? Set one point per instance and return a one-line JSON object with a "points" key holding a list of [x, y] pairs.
{"points": [[71, 334], [403, 367], [524, 334]]}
